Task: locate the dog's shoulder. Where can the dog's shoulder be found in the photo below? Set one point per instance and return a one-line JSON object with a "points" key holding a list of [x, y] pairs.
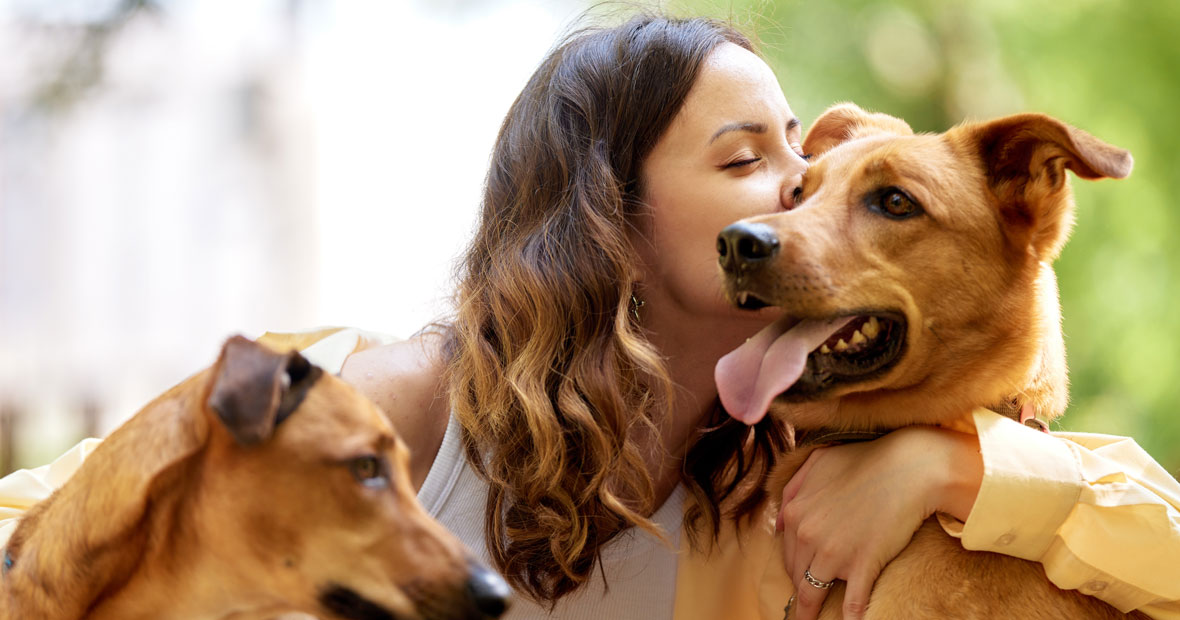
{"points": [[405, 380]]}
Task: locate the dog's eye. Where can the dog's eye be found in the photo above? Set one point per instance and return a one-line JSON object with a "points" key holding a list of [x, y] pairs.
{"points": [[370, 471], [894, 203]]}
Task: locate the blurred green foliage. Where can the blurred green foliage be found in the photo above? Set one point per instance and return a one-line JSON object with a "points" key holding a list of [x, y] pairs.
{"points": [[1109, 67]]}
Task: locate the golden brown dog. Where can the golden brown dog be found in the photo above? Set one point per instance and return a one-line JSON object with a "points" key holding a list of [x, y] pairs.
{"points": [[257, 487], [919, 266]]}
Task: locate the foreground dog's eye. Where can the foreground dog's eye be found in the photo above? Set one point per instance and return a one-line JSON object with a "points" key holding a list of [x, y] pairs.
{"points": [[895, 203], [369, 471]]}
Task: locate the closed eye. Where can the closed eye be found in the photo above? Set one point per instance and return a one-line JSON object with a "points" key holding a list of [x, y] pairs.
{"points": [[743, 162]]}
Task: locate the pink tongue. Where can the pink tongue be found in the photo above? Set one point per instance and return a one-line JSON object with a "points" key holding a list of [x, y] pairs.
{"points": [[749, 377]]}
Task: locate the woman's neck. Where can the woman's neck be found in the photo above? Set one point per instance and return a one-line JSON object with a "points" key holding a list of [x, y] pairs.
{"points": [[691, 347]]}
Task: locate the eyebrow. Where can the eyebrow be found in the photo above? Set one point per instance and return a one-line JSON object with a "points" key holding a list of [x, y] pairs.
{"points": [[750, 127]]}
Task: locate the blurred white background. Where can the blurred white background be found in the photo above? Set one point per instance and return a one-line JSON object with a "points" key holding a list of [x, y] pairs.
{"points": [[176, 171]]}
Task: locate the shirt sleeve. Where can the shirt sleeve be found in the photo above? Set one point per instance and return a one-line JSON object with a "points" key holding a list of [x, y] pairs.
{"points": [[1096, 511], [25, 487]]}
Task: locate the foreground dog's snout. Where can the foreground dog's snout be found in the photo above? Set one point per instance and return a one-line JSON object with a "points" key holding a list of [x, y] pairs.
{"points": [[743, 245], [489, 593]]}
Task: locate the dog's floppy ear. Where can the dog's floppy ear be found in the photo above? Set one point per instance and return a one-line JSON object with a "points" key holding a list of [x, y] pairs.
{"points": [[1024, 157], [845, 121], [254, 388]]}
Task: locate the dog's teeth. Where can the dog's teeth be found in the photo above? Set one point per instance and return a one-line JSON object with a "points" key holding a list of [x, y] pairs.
{"points": [[841, 345], [823, 348], [871, 328], [743, 297], [858, 338]]}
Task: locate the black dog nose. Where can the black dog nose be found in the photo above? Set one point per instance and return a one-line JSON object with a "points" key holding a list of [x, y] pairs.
{"points": [[745, 244], [489, 592]]}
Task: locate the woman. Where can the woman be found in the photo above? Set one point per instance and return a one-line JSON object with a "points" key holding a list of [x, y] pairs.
{"points": [[580, 363], [558, 424]]}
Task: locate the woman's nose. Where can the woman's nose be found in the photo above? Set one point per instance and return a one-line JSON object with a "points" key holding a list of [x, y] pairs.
{"points": [[791, 192], [793, 183]]}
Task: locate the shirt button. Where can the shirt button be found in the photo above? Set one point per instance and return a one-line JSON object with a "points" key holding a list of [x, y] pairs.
{"points": [[1006, 539], [1094, 586]]}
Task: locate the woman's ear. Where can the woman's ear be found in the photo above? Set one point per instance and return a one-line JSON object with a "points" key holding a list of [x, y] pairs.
{"points": [[843, 122]]}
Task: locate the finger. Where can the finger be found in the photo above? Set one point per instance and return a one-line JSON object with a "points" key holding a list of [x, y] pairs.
{"points": [[799, 544], [804, 557], [796, 480], [856, 593], [789, 546], [808, 598]]}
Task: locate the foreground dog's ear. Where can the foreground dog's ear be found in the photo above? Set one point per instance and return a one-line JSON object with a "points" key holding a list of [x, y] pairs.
{"points": [[255, 388], [845, 121], [1025, 157]]}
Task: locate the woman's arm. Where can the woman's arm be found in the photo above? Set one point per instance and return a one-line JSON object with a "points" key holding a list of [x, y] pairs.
{"points": [[835, 506], [1095, 510], [404, 379]]}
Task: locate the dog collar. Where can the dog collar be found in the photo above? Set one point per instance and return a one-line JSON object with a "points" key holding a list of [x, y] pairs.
{"points": [[829, 436]]}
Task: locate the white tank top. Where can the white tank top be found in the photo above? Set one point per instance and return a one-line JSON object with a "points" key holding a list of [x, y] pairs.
{"points": [[640, 569]]}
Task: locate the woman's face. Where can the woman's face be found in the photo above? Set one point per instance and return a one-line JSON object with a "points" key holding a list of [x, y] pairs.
{"points": [[731, 152]]}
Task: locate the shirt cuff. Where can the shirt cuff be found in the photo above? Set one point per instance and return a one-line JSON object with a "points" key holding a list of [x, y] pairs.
{"points": [[1031, 482]]}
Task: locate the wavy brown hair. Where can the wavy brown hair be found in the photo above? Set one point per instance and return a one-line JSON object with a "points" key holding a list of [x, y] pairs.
{"points": [[549, 374]]}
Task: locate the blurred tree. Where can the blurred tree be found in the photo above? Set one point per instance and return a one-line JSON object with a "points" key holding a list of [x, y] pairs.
{"points": [[1108, 67]]}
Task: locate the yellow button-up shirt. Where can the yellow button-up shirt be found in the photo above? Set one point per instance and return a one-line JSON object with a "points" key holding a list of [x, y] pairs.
{"points": [[1096, 510]]}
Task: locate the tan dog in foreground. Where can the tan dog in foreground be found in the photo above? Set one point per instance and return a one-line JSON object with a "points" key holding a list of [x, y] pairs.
{"points": [[257, 487], [920, 267]]}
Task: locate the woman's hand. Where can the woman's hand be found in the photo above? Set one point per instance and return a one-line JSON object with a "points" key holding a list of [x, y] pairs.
{"points": [[850, 509]]}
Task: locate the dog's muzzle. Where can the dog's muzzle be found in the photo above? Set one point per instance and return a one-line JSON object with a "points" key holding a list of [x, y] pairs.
{"points": [[743, 249], [744, 246]]}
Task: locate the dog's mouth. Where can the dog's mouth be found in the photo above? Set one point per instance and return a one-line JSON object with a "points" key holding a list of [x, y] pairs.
{"points": [[346, 603], [483, 597], [863, 349], [804, 360], [749, 301]]}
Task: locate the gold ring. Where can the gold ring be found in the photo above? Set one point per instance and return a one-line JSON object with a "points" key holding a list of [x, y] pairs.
{"points": [[822, 585]]}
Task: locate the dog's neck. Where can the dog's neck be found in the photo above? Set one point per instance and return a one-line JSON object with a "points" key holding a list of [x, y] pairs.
{"points": [[1043, 389]]}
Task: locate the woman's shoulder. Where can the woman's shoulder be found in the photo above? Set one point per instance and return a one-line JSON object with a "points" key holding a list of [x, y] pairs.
{"points": [[405, 379]]}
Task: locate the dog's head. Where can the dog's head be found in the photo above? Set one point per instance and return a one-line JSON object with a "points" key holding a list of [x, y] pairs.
{"points": [[260, 485], [915, 272], [319, 481]]}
